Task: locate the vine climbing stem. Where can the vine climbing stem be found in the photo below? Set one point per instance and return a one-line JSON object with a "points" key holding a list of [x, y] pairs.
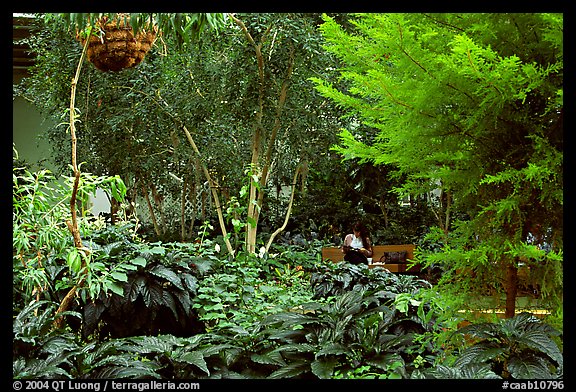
{"points": [[73, 223]]}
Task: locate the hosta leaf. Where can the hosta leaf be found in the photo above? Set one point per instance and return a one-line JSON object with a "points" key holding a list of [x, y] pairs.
{"points": [[481, 330], [152, 344], [184, 299], [215, 349], [134, 369], [231, 355], [40, 369], [136, 287], [289, 319], [168, 300], [191, 282], [153, 296], [479, 354], [470, 371], [332, 349], [477, 371], [297, 347], [59, 344], [116, 359]]}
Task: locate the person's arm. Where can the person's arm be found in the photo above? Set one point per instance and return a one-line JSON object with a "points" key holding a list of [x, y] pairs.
{"points": [[368, 252], [346, 244]]}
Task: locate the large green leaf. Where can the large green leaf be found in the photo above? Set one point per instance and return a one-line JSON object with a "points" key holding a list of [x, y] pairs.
{"points": [[291, 370], [190, 282], [529, 367], [541, 342], [132, 369], [273, 357], [140, 261], [195, 358], [137, 287], [333, 348], [184, 299], [167, 274], [153, 294], [169, 301], [40, 369], [153, 344], [479, 354], [324, 368]]}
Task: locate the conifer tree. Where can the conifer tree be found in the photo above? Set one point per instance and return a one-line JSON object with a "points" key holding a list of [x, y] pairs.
{"points": [[470, 104]]}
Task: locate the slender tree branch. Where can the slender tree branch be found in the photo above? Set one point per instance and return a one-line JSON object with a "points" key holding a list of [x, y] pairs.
{"points": [[288, 210], [73, 224]]}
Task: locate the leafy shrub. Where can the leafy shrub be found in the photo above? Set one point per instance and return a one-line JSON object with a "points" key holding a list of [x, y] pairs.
{"points": [[521, 347], [39, 232], [154, 295], [332, 279], [38, 350], [43, 352], [42, 244], [325, 340]]}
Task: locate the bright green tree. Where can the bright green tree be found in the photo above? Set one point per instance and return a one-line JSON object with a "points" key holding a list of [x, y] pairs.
{"points": [[470, 104]]}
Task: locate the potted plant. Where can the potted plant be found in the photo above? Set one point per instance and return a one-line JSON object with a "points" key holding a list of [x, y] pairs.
{"points": [[112, 44], [117, 41]]}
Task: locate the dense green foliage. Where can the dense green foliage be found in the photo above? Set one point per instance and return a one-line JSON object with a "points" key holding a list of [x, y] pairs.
{"points": [[185, 310], [471, 105], [458, 116]]}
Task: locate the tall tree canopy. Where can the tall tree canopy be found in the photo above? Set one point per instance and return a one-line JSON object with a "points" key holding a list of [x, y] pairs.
{"points": [[242, 93], [470, 104]]}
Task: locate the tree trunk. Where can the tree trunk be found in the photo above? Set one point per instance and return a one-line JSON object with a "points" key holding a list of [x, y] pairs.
{"points": [[158, 202], [151, 209], [214, 191], [253, 208], [183, 211], [114, 207], [511, 287]]}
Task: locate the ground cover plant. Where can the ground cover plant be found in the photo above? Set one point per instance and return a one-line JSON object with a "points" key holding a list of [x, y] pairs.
{"points": [[268, 316]]}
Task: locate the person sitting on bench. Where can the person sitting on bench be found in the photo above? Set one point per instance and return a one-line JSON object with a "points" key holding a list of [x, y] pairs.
{"points": [[357, 247]]}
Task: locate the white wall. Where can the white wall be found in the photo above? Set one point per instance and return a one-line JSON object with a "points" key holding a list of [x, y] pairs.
{"points": [[27, 126]]}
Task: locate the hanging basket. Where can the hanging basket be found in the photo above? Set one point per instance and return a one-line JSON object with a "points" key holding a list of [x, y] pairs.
{"points": [[114, 46]]}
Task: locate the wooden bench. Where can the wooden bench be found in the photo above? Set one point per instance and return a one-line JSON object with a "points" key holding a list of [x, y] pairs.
{"points": [[334, 253]]}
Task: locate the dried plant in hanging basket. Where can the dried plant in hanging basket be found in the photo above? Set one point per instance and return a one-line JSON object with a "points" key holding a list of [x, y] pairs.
{"points": [[113, 46]]}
